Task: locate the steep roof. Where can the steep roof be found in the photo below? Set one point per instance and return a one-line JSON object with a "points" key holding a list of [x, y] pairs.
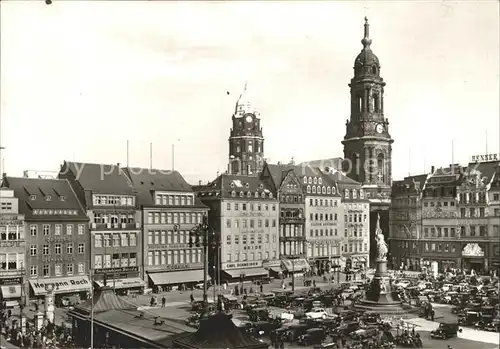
{"points": [[104, 300], [243, 186], [146, 181], [219, 331], [98, 178], [48, 199], [332, 163], [410, 184], [485, 170], [341, 178]]}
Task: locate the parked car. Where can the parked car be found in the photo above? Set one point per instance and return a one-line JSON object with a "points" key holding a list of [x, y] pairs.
{"points": [[446, 330], [312, 336], [317, 313]]}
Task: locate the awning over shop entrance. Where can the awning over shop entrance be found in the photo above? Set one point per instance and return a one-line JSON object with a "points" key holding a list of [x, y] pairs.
{"points": [[293, 265], [248, 272], [71, 284], [122, 283], [11, 291], [276, 269], [176, 277]]}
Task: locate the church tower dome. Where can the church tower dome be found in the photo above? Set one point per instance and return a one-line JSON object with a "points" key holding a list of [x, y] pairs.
{"points": [[366, 63], [246, 143]]}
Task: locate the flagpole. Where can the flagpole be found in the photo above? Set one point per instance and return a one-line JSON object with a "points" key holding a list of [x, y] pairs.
{"points": [[91, 309]]}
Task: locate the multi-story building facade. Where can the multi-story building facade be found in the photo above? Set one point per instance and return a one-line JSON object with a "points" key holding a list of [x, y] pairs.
{"points": [[474, 210], [56, 234], [284, 179], [12, 250], [324, 213], [115, 225], [355, 248], [244, 214], [405, 222], [246, 142], [494, 220], [440, 243], [368, 143], [170, 210]]}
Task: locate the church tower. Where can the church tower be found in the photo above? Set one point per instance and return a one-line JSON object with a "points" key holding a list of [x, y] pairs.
{"points": [[246, 143], [367, 143]]}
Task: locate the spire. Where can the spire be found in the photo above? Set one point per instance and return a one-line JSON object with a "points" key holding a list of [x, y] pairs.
{"points": [[366, 41], [243, 105]]}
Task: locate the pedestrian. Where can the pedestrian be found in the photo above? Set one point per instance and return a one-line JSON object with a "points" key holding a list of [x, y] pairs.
{"points": [[432, 315], [261, 288], [163, 301], [241, 289], [191, 298], [152, 301]]}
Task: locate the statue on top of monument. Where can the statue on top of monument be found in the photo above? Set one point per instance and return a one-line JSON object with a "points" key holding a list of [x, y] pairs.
{"points": [[382, 248]]}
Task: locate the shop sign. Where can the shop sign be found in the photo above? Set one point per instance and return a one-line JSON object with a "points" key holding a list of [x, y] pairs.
{"points": [[472, 250], [242, 265], [10, 220], [251, 214], [9, 272], [270, 264], [485, 158], [11, 244], [61, 285], [177, 266], [116, 270], [10, 281]]}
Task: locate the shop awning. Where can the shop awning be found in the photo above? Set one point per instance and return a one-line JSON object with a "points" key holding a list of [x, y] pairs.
{"points": [[247, 272], [11, 291], [276, 269], [362, 259], [122, 283], [293, 265], [70, 284], [176, 277]]}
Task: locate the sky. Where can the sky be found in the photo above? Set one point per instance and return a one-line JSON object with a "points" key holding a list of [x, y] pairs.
{"points": [[79, 79]]}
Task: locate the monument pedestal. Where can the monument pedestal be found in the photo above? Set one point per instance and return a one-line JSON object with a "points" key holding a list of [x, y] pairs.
{"points": [[381, 299]]}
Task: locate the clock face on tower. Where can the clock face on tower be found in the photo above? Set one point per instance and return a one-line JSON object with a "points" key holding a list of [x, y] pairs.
{"points": [[249, 118], [380, 128]]}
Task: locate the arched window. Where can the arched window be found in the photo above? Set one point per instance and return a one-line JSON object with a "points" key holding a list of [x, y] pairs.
{"points": [[374, 70], [263, 195], [320, 181], [376, 102], [270, 195], [256, 195], [381, 167], [360, 104], [249, 194], [250, 146], [328, 190], [241, 194], [315, 180], [305, 180], [314, 189], [323, 190], [257, 146], [233, 193], [308, 188], [333, 190], [361, 194], [318, 189]]}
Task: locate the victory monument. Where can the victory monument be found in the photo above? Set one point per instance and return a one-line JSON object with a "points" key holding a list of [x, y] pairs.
{"points": [[381, 297]]}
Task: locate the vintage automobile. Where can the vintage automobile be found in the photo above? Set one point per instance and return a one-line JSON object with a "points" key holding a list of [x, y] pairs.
{"points": [[470, 318], [446, 330], [317, 313], [346, 329], [312, 336]]}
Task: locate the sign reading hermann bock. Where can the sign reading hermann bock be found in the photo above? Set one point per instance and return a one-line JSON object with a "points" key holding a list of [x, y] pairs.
{"points": [[61, 285]]}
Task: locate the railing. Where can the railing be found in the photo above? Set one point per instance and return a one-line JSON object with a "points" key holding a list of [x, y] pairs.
{"points": [[115, 226]]}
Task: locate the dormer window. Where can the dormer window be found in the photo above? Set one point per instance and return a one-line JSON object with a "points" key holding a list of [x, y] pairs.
{"points": [[62, 198], [256, 195], [32, 197], [232, 185], [241, 194], [48, 198], [347, 193], [308, 189], [263, 195], [354, 196], [270, 195], [261, 186], [309, 180], [328, 190], [247, 185], [320, 180], [305, 180], [318, 189], [333, 190], [314, 189], [323, 190], [315, 180], [361, 194], [249, 194], [233, 193]]}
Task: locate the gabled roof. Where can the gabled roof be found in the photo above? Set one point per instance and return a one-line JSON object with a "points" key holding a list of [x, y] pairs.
{"points": [[485, 170], [411, 184], [104, 300], [224, 185], [98, 178], [445, 176], [45, 194], [146, 181], [219, 331]]}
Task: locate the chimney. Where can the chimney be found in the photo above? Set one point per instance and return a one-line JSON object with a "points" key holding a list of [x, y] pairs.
{"points": [[432, 169], [229, 168], [199, 182]]}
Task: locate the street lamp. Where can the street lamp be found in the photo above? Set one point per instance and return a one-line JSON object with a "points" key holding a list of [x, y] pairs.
{"points": [[204, 235]]}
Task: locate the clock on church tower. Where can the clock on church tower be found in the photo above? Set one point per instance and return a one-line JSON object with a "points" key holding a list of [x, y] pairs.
{"points": [[367, 142]]}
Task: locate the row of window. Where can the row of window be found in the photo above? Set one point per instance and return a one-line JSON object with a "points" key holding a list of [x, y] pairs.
{"points": [[472, 212], [321, 232], [115, 240], [168, 237], [320, 216], [471, 230], [251, 223], [439, 204], [174, 200], [322, 250], [105, 218], [293, 199], [115, 260], [244, 239], [354, 193], [11, 233], [255, 195], [46, 249], [354, 232], [48, 197], [472, 198], [114, 200], [290, 230], [47, 212], [59, 269], [440, 247], [355, 247], [320, 190], [174, 217], [58, 229], [11, 261], [356, 218], [323, 203], [250, 207], [313, 180], [170, 257], [252, 256]]}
